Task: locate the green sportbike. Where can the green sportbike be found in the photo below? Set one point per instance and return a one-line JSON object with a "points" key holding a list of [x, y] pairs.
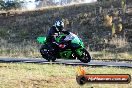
{"points": [[72, 47]]}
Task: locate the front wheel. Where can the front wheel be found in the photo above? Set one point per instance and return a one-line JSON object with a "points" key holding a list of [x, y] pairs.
{"points": [[85, 58]]}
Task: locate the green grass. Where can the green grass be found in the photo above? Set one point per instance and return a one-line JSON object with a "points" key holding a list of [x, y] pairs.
{"points": [[20, 75]]}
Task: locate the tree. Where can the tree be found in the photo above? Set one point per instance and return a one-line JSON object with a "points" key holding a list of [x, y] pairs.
{"points": [[43, 3], [2, 3], [123, 5], [9, 4]]}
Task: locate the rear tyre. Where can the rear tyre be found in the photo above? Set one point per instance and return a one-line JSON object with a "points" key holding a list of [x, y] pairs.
{"points": [[47, 54], [85, 58]]}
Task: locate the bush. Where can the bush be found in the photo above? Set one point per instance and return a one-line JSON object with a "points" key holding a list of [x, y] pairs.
{"points": [[108, 20]]}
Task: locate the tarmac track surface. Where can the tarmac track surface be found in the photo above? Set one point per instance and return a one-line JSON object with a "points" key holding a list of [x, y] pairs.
{"points": [[66, 62]]}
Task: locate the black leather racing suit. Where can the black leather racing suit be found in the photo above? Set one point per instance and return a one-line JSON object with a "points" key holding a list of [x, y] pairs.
{"points": [[50, 39]]}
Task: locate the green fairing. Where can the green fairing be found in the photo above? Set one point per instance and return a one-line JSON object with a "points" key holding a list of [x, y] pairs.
{"points": [[79, 52], [41, 40], [58, 38], [65, 54], [77, 41]]}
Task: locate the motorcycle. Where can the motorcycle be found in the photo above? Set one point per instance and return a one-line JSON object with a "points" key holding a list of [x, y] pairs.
{"points": [[75, 51]]}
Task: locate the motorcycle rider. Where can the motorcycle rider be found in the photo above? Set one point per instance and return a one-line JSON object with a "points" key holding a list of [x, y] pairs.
{"points": [[54, 31]]}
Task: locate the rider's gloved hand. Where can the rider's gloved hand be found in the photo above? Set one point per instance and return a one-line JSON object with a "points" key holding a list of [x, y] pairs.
{"points": [[62, 45], [55, 43]]}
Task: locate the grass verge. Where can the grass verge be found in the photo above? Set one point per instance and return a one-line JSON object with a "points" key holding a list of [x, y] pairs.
{"points": [[34, 53], [20, 75], [31, 50], [104, 55]]}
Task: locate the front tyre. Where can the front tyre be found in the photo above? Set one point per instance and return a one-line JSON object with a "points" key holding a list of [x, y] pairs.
{"points": [[85, 58]]}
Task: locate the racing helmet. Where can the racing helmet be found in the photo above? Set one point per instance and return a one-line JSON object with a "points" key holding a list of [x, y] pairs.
{"points": [[59, 25]]}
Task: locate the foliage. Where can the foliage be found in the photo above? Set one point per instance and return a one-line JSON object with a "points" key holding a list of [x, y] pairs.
{"points": [[2, 3], [113, 29], [123, 5], [108, 20], [43, 3], [9, 5], [119, 27]]}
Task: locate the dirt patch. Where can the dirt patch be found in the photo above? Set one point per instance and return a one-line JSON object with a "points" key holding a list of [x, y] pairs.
{"points": [[37, 82], [3, 66]]}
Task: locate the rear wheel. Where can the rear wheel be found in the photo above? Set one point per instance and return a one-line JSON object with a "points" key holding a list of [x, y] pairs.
{"points": [[85, 58], [47, 54]]}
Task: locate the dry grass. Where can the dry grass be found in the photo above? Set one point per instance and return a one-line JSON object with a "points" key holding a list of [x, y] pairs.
{"points": [[25, 49], [33, 52], [119, 42], [30, 49], [118, 49], [52, 76], [104, 55]]}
